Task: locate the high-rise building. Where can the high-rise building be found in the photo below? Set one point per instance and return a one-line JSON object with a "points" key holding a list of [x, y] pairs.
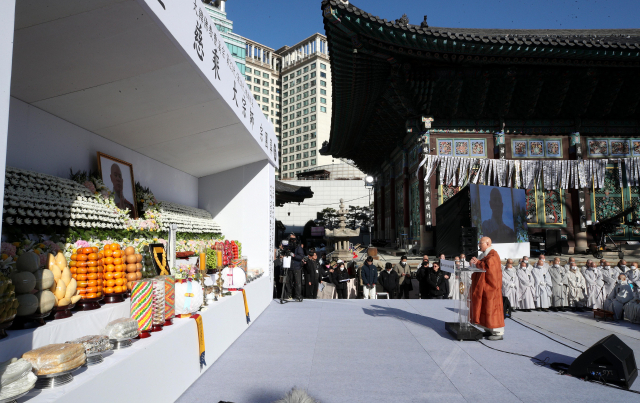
{"points": [[263, 77], [306, 105], [235, 43]]}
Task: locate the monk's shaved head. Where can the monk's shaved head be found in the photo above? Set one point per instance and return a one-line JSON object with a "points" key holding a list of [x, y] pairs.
{"points": [[485, 242]]}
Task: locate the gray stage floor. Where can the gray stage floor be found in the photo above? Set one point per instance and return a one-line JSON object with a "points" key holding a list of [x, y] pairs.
{"points": [[398, 351]]}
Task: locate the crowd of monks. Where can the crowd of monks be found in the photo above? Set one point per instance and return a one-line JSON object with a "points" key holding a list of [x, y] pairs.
{"points": [[538, 285]]}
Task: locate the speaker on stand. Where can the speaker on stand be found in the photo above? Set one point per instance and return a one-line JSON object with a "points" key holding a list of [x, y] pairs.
{"points": [[553, 241], [469, 242], [609, 361]]}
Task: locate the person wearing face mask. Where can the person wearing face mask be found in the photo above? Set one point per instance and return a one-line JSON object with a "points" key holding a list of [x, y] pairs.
{"points": [[620, 295], [609, 276], [435, 282], [622, 266], [559, 286], [404, 274], [543, 259], [389, 280], [526, 288], [369, 274], [585, 267], [340, 278], [510, 283], [326, 288], [542, 287], [525, 259], [576, 287], [593, 279], [633, 275]]}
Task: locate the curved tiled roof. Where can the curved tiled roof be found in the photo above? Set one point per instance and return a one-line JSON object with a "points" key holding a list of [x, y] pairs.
{"points": [[605, 38]]}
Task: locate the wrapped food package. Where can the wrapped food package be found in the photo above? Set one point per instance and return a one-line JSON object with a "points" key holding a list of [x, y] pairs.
{"points": [[13, 370], [55, 358], [189, 297], [94, 344], [169, 296], [142, 303], [123, 328], [158, 301], [22, 385]]}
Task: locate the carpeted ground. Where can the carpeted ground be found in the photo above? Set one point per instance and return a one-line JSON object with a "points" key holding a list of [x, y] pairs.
{"points": [[398, 351]]}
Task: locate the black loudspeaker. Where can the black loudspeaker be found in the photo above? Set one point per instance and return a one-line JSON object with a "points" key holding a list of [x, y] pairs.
{"points": [[609, 360], [469, 242], [553, 241]]}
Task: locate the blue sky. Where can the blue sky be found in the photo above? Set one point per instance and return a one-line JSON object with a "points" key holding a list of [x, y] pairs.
{"points": [[285, 22]]}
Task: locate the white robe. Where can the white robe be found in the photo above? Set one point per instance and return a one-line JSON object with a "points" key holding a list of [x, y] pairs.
{"points": [[593, 279], [542, 287], [632, 309], [510, 286], [526, 298], [620, 295], [577, 288], [559, 284], [633, 276], [610, 278]]}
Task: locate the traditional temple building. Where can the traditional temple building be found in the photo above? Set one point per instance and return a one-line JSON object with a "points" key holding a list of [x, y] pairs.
{"points": [[543, 103]]}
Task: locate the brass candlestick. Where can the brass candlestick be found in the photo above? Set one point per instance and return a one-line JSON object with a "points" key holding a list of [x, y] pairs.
{"points": [[219, 283]]}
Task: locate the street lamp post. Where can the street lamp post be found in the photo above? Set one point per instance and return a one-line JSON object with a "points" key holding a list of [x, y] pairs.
{"points": [[369, 182]]}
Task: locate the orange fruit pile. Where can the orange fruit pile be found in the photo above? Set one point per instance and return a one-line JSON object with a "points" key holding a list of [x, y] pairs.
{"points": [[120, 268], [86, 267]]}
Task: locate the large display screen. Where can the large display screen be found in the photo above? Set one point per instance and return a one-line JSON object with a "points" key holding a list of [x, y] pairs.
{"points": [[499, 213]]}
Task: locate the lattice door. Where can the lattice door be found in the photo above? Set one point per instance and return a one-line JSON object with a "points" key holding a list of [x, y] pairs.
{"points": [[609, 200]]}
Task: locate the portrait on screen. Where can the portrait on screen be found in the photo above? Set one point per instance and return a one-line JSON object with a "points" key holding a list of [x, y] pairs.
{"points": [[499, 213], [117, 176]]}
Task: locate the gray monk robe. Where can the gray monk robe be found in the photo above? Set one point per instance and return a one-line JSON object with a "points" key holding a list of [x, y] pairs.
{"points": [[632, 308], [526, 299], [609, 277], [593, 280], [559, 285], [620, 295], [577, 288], [510, 286], [633, 276]]}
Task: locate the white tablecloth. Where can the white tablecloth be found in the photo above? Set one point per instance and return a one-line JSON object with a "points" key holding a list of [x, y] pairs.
{"points": [[61, 330], [161, 367]]}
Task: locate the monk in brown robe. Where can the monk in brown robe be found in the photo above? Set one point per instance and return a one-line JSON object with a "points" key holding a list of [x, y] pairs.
{"points": [[486, 292]]}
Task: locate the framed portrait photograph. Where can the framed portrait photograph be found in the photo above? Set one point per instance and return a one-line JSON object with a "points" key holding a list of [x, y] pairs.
{"points": [[117, 176]]}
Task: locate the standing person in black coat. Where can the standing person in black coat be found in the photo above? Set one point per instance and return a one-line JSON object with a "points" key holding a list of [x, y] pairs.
{"points": [[277, 272], [311, 274], [435, 282], [389, 280], [295, 272], [338, 278], [421, 275]]}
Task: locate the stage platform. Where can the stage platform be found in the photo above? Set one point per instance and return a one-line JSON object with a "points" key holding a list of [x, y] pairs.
{"points": [[398, 351]]}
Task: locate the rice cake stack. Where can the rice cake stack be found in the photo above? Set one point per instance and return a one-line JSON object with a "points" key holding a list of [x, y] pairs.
{"points": [[56, 358]]}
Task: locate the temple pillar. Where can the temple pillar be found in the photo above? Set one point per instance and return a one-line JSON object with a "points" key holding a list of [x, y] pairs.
{"points": [[383, 211], [405, 193], [376, 213], [392, 184], [426, 232], [580, 214]]}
